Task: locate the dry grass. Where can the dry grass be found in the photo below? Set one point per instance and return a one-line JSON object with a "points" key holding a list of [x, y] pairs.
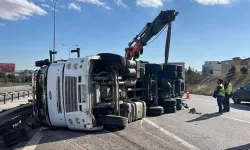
{"points": [[205, 85]]}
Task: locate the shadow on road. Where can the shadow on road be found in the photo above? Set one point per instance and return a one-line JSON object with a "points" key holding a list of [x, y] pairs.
{"points": [[51, 135], [242, 106], [205, 117], [242, 147]]}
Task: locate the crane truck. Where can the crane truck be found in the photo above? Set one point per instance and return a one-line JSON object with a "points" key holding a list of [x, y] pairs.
{"points": [[103, 90]]}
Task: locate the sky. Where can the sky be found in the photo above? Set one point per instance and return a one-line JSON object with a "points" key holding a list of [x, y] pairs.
{"points": [[204, 30]]}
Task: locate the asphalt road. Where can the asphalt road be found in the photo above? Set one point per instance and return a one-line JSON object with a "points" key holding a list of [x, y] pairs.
{"points": [[181, 130]]}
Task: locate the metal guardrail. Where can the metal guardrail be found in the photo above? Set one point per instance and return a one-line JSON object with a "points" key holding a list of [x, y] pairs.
{"points": [[13, 117], [12, 93]]}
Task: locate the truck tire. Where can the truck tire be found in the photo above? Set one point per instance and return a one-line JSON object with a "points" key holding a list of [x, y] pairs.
{"points": [[170, 103], [179, 107], [168, 110], [179, 86], [179, 69], [152, 68], [168, 67], [167, 74], [178, 101], [113, 122], [155, 111], [113, 59], [179, 75]]}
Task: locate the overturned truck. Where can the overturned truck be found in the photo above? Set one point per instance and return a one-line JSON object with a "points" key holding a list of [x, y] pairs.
{"points": [[105, 90]]}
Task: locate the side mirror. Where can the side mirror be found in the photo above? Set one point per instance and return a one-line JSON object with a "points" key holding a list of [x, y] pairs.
{"points": [[76, 51]]}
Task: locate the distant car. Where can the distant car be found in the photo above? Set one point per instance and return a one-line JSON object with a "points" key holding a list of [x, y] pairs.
{"points": [[241, 94]]}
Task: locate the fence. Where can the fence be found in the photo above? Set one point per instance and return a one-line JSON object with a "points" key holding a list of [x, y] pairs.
{"points": [[11, 95]]}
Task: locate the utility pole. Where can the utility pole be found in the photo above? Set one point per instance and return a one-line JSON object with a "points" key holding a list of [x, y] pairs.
{"points": [[54, 41], [69, 47]]}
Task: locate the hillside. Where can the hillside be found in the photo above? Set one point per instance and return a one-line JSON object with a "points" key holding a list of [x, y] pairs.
{"points": [[205, 84]]}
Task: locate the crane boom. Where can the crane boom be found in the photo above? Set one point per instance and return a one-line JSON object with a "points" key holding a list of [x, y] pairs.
{"points": [[150, 30]]}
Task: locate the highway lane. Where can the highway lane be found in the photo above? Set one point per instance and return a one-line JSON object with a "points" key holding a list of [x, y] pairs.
{"points": [[181, 130]]}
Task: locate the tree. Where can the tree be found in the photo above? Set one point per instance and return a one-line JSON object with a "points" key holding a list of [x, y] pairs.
{"points": [[11, 77], [243, 70], [238, 69], [189, 71], [211, 71]]}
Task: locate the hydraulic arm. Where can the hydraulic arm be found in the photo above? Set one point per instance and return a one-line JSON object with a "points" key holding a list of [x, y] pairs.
{"points": [[150, 30]]}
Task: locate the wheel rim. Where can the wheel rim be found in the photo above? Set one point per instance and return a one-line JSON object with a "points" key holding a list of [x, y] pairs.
{"points": [[236, 99]]}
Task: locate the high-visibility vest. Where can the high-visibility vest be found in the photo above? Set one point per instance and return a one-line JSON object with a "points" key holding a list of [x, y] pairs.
{"points": [[221, 92], [229, 88]]}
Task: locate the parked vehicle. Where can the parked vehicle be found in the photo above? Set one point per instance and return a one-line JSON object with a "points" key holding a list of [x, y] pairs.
{"points": [[241, 94]]}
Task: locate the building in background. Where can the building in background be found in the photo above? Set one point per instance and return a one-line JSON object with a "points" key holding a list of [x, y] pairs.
{"points": [[226, 65], [245, 63], [7, 67], [211, 67]]}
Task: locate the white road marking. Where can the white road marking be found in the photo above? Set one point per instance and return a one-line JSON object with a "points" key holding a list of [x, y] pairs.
{"points": [[31, 145], [153, 135], [235, 119], [183, 142]]}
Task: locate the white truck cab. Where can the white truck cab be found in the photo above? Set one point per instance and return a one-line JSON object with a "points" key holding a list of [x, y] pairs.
{"points": [[84, 93]]}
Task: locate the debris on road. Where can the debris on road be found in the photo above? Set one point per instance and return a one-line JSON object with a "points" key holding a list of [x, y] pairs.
{"points": [[190, 110]]}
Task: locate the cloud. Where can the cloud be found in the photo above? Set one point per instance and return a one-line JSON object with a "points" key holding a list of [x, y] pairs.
{"points": [[149, 3], [45, 6], [213, 2], [19, 9], [63, 6], [74, 6], [120, 3], [96, 2], [2, 25]]}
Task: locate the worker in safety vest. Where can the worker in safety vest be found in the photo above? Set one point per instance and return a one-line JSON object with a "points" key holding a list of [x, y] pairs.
{"points": [[228, 92], [219, 93]]}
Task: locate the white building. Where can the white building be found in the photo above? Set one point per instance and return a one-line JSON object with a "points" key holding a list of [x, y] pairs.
{"points": [[211, 67]]}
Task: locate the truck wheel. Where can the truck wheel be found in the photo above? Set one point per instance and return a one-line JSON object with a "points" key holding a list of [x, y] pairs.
{"points": [[179, 107], [113, 59], [155, 111], [152, 68], [113, 122], [179, 86], [167, 74], [169, 103], [178, 101], [168, 110], [168, 67], [179, 69]]}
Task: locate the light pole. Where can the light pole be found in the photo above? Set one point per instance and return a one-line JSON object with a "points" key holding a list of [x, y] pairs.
{"points": [[54, 41], [69, 47]]}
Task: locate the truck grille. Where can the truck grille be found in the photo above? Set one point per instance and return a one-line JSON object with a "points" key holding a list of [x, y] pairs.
{"points": [[71, 94]]}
